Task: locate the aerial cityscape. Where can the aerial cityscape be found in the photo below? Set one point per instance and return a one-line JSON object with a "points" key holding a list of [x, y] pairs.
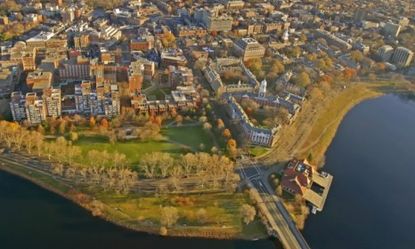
{"points": [[218, 123]]}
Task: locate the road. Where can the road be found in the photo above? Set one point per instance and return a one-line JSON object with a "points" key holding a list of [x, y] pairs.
{"points": [[286, 229]]}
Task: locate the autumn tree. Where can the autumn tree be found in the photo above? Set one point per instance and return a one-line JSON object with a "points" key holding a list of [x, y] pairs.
{"points": [[250, 106], [356, 55], [202, 215], [227, 133], [179, 119], [302, 79], [220, 124], [73, 136], [169, 216], [104, 123], [248, 213], [62, 127], [92, 122], [207, 126], [231, 147]]}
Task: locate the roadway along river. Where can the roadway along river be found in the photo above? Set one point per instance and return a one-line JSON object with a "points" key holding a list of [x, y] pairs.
{"points": [[371, 203]]}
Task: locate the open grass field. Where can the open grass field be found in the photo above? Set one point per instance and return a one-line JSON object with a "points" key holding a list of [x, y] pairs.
{"points": [[258, 150], [191, 136], [177, 140]]}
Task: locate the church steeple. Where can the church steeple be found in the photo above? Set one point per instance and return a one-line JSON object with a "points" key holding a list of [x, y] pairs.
{"points": [[262, 89]]}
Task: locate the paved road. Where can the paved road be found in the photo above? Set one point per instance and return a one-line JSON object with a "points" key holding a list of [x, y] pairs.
{"points": [[287, 231]]}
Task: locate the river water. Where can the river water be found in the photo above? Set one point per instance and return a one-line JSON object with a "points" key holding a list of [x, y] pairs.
{"points": [[371, 203], [369, 206]]}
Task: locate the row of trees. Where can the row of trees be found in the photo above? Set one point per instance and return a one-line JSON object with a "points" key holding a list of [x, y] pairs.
{"points": [[106, 170], [209, 171], [161, 165], [119, 180]]}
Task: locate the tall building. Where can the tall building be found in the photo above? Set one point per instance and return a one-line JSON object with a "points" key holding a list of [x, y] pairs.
{"points": [[17, 106], [82, 97], [52, 101], [103, 100], [111, 102], [35, 111], [28, 58], [213, 21], [249, 48], [135, 77], [402, 57]]}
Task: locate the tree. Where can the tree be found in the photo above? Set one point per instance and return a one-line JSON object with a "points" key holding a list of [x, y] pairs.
{"points": [[277, 67], [202, 215], [202, 119], [316, 94], [227, 133], [92, 122], [302, 79], [62, 127], [249, 105], [163, 231], [255, 65], [73, 136], [356, 55], [156, 164], [169, 216], [220, 124], [283, 115], [179, 119], [248, 213], [207, 126], [349, 74], [295, 52], [104, 123], [231, 147]]}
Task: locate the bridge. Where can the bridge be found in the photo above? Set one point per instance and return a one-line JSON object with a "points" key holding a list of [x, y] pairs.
{"points": [[278, 221]]}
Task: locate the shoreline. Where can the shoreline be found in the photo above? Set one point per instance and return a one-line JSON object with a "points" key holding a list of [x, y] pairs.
{"points": [[26, 174]]}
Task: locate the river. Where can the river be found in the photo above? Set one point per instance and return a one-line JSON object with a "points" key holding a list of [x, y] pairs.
{"points": [[369, 206], [372, 199]]}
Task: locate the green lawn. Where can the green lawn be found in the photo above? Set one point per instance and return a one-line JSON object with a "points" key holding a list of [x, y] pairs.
{"points": [[156, 94], [258, 150], [178, 140], [191, 136]]}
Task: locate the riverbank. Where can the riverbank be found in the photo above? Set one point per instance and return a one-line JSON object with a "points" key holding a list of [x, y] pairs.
{"points": [[316, 125], [141, 213], [375, 141], [314, 129]]}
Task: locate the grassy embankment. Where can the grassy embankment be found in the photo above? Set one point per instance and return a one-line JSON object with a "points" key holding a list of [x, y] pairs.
{"points": [[222, 219], [317, 123]]}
